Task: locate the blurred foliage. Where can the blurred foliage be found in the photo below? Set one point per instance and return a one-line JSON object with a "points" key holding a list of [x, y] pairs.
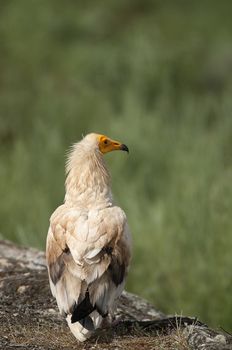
{"points": [[156, 75]]}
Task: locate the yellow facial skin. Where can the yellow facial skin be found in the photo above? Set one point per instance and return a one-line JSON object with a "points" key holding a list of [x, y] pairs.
{"points": [[107, 145]]}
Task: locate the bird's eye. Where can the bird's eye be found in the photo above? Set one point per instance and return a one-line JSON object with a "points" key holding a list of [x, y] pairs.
{"points": [[105, 142]]}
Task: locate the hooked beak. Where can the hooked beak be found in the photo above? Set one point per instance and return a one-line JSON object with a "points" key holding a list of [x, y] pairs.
{"points": [[123, 147], [115, 145]]}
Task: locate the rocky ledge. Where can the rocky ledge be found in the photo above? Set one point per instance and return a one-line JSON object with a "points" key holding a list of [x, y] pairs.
{"points": [[29, 318]]}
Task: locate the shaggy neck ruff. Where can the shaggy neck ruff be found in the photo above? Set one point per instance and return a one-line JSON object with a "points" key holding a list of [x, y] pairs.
{"points": [[88, 180]]}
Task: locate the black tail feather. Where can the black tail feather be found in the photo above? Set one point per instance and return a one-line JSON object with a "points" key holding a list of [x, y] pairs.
{"points": [[82, 310]]}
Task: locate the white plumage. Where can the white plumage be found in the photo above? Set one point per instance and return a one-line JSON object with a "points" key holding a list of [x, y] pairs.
{"points": [[88, 243]]}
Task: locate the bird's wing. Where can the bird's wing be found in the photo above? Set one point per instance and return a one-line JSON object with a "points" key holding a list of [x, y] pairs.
{"points": [[88, 253]]}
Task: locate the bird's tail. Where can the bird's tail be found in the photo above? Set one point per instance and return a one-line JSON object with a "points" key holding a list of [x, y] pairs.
{"points": [[84, 328]]}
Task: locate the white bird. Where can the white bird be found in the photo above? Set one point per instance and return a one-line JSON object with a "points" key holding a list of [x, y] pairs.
{"points": [[88, 244]]}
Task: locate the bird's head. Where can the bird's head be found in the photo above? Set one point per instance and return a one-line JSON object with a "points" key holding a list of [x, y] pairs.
{"points": [[85, 167], [104, 144]]}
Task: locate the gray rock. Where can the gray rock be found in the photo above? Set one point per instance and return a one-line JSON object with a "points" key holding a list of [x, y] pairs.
{"points": [[29, 317]]}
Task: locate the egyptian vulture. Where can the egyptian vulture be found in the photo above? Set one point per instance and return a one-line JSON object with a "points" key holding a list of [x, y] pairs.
{"points": [[88, 244]]}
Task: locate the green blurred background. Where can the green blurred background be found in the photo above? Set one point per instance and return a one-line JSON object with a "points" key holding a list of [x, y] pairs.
{"points": [[156, 75]]}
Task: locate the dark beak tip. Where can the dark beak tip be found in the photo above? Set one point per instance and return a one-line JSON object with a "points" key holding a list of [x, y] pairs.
{"points": [[124, 148]]}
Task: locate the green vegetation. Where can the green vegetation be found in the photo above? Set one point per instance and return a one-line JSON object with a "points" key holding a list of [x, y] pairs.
{"points": [[155, 75]]}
